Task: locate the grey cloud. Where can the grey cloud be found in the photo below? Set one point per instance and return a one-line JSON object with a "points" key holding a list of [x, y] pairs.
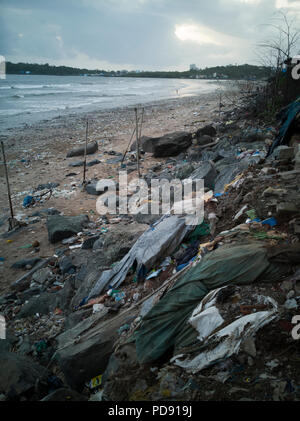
{"points": [[137, 33]]}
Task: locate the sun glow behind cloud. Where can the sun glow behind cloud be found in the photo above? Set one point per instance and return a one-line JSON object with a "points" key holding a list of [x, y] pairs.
{"points": [[203, 35], [188, 32]]}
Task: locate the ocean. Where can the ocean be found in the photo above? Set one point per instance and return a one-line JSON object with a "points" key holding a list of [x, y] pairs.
{"points": [[28, 99]]}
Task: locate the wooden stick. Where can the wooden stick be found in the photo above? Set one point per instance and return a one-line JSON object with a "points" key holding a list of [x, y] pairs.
{"points": [[141, 125], [137, 143], [8, 189], [128, 145], [85, 150]]}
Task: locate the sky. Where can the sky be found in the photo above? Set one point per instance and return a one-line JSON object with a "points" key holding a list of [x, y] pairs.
{"points": [[139, 34]]}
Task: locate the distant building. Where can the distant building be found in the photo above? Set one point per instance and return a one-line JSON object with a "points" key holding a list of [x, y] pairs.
{"points": [[193, 67]]}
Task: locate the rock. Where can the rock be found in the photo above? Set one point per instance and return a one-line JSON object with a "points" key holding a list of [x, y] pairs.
{"points": [[76, 164], [284, 152], [97, 187], [47, 186], [60, 227], [24, 282], [115, 160], [91, 148], [64, 395], [207, 172], [92, 163], [270, 191], [21, 264], [84, 353], [116, 243], [146, 144], [204, 140], [207, 131], [88, 243], [171, 144], [286, 208], [66, 265], [41, 304], [43, 275], [20, 374]]}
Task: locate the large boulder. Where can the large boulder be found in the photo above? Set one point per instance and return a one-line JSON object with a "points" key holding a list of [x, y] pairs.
{"points": [[207, 131], [146, 144], [91, 148], [61, 227], [19, 375], [84, 351], [171, 144], [114, 244]]}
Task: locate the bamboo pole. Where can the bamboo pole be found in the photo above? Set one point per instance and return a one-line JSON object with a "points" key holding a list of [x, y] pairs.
{"points": [[8, 189], [85, 150], [137, 143]]}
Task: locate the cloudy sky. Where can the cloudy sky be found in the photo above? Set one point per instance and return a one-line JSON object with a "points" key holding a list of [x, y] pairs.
{"points": [[138, 34]]}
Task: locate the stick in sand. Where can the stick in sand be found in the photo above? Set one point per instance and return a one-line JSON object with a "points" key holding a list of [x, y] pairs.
{"points": [[137, 143], [11, 219], [85, 149]]}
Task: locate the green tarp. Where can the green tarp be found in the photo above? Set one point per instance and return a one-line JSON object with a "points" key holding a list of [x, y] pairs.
{"points": [[165, 327]]}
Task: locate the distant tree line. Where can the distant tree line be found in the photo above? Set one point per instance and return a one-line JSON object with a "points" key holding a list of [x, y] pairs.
{"points": [[245, 71]]}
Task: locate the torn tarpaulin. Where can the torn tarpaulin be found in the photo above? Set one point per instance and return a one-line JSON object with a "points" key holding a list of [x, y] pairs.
{"points": [[287, 117], [165, 326], [158, 241]]}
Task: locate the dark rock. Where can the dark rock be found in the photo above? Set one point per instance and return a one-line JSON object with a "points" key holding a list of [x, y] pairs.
{"points": [[204, 140], [98, 187], [71, 174], [60, 227], [171, 144], [88, 244], [146, 144], [114, 160], [21, 264], [92, 163], [64, 395], [207, 172], [91, 148], [31, 292], [50, 211], [20, 375], [80, 360], [66, 264], [46, 186], [42, 304], [207, 130], [23, 283], [76, 164]]}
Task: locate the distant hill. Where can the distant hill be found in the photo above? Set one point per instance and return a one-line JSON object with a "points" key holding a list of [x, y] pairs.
{"points": [[245, 71]]}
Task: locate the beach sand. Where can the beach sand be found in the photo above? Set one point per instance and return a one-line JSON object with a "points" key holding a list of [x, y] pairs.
{"points": [[45, 147]]}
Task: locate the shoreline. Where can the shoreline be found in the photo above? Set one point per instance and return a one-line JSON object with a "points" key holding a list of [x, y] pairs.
{"points": [[43, 148]]}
